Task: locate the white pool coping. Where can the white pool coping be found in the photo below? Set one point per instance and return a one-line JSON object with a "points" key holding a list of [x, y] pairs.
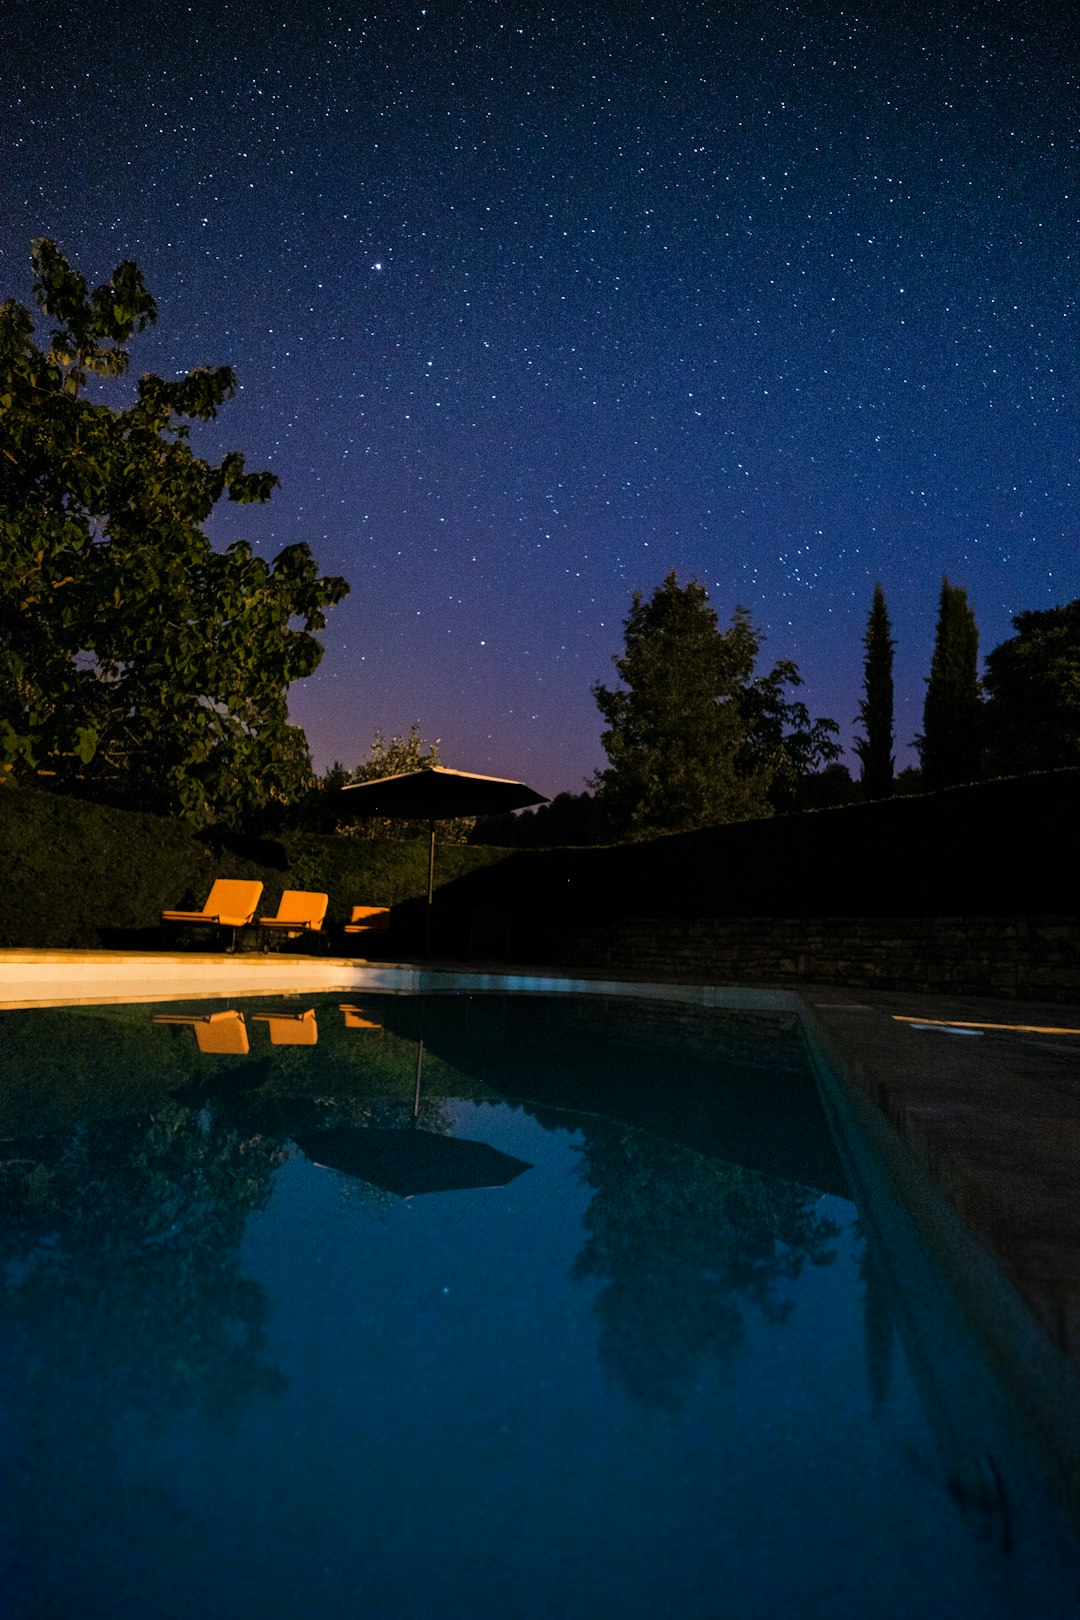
{"points": [[30, 978]]}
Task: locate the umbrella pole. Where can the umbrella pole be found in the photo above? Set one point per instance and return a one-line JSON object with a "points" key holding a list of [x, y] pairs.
{"points": [[430, 885], [419, 1077]]}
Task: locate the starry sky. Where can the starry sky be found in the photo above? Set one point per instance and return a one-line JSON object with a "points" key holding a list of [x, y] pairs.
{"points": [[531, 304]]}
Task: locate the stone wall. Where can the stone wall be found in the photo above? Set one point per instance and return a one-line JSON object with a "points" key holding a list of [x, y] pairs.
{"points": [[1036, 957]]}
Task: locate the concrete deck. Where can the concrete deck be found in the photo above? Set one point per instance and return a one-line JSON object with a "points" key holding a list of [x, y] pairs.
{"points": [[987, 1095]]}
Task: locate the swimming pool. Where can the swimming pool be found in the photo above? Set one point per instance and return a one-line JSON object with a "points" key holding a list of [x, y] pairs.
{"points": [[647, 1333]]}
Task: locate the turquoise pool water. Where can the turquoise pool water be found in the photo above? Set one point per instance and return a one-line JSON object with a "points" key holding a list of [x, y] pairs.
{"points": [[267, 1351]]}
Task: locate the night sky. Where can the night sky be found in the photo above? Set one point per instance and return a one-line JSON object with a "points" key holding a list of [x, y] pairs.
{"points": [[533, 304]]}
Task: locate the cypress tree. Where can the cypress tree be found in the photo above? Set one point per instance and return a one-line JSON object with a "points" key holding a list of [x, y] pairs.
{"points": [[949, 748], [876, 709]]}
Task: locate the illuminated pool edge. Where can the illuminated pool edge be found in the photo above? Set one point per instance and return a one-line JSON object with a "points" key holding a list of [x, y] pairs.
{"points": [[86, 978]]}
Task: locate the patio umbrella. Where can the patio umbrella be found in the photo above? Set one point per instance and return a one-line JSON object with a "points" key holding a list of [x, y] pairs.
{"points": [[410, 1161], [436, 794]]}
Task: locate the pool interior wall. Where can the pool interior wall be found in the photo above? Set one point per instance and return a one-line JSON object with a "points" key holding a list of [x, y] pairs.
{"points": [[1011, 1485]]}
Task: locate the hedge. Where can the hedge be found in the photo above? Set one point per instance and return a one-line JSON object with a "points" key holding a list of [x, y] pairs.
{"points": [[1008, 847]]}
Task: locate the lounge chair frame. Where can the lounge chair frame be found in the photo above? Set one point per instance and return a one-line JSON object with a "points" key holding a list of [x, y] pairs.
{"points": [[299, 912]]}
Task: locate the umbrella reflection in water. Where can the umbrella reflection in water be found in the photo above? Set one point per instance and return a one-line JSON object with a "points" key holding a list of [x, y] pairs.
{"points": [[409, 1160]]}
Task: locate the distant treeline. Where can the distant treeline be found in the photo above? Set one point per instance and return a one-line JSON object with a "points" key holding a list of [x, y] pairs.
{"points": [[697, 738]]}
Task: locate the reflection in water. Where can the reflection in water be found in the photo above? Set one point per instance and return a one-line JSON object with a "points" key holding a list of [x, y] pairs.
{"points": [[289, 1028], [195, 1313], [410, 1161], [879, 1329], [138, 1222], [217, 1032], [124, 1300], [118, 1228], [682, 1245]]}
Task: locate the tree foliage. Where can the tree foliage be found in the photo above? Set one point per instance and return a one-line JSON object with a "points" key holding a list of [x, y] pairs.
{"points": [[394, 756], [135, 659], [1033, 682], [827, 789], [693, 738], [687, 1250], [569, 819], [875, 747], [949, 748]]}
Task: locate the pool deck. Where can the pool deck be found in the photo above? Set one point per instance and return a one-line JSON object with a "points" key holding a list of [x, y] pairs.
{"points": [[986, 1093]]}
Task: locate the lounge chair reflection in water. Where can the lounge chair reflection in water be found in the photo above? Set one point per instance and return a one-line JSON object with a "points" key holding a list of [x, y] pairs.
{"points": [[227, 1031], [214, 1032], [357, 1017], [289, 1028]]}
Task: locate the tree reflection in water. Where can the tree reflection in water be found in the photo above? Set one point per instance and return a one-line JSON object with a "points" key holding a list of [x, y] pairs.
{"points": [[121, 1248], [682, 1245]]}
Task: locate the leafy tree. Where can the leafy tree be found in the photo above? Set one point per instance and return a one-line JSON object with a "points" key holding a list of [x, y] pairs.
{"points": [[569, 819], [949, 747], [827, 789], [136, 660], [694, 739], [909, 782], [781, 746], [875, 747], [393, 757], [1033, 681]]}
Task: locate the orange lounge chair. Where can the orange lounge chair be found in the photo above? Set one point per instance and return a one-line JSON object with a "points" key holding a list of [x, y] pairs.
{"points": [[299, 912], [289, 1028], [367, 920], [214, 1032], [231, 904]]}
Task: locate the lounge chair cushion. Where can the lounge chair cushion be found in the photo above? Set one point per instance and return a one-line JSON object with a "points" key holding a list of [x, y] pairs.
{"points": [[367, 919]]}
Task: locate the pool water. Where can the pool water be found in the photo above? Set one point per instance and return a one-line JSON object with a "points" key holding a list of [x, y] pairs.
{"points": [[268, 1351]]}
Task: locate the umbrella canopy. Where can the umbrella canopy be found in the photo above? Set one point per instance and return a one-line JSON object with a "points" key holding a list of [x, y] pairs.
{"points": [[410, 1161], [435, 794]]}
